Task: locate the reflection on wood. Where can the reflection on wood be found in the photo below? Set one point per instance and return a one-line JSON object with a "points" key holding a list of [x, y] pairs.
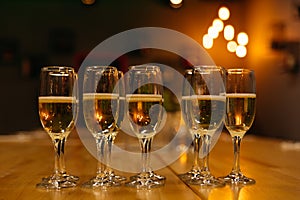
{"points": [[26, 158]]}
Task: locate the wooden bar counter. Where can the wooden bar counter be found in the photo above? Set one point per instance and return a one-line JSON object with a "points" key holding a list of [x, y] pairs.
{"points": [[27, 157]]}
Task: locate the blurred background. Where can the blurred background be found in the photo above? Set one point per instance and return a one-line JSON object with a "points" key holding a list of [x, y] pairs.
{"points": [[62, 32]]}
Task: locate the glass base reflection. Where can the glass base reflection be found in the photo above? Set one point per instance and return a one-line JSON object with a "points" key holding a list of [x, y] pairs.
{"points": [[104, 180], [197, 177], [237, 179], [146, 180], [58, 181]]}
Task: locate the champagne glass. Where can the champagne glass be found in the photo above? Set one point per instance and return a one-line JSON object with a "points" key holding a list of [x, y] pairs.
{"points": [[58, 108], [100, 108], [144, 109], [240, 113], [117, 179], [203, 104], [195, 172]]}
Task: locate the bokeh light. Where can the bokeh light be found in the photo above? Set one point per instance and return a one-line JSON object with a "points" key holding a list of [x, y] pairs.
{"points": [[229, 32], [176, 3], [207, 41], [213, 32], [231, 46], [242, 38], [241, 51], [224, 13], [218, 24]]}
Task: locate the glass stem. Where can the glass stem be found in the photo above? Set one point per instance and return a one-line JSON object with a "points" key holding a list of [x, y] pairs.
{"points": [[205, 146], [236, 149], [101, 145], [110, 140], [59, 162], [196, 142], [146, 147]]}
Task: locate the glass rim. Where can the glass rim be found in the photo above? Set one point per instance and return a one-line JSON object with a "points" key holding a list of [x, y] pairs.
{"points": [[203, 69], [208, 67], [146, 67], [57, 67], [100, 67], [188, 71], [239, 70]]}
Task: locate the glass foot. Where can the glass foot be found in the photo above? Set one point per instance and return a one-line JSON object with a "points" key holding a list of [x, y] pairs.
{"points": [[58, 181], [197, 177], [104, 180], [146, 180], [116, 178], [193, 174], [210, 181], [97, 182], [150, 174], [237, 179], [68, 177]]}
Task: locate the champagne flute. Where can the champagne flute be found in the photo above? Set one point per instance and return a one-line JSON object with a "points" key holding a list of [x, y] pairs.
{"points": [[240, 113], [100, 108], [58, 108], [203, 104], [144, 109], [117, 179], [195, 172]]}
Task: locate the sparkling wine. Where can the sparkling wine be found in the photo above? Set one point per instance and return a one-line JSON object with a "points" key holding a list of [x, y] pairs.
{"points": [[145, 113], [186, 114], [240, 112], [207, 112], [57, 114], [100, 112], [121, 110]]}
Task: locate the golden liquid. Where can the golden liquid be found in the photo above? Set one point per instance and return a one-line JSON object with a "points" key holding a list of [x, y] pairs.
{"points": [[100, 112], [240, 113], [208, 112], [144, 115], [56, 114]]}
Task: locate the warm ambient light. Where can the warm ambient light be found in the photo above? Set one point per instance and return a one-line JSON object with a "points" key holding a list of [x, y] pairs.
{"points": [[238, 120], [241, 51], [231, 46], [218, 24], [224, 13], [238, 47], [88, 2], [207, 41], [228, 32], [242, 38], [176, 3], [183, 158]]}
